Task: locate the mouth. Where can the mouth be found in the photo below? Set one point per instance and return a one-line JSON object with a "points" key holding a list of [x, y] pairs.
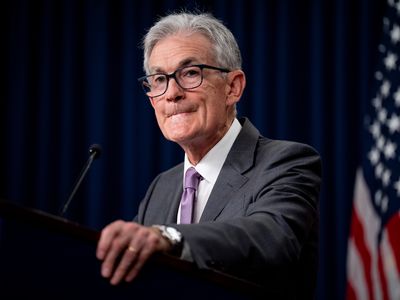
{"points": [[177, 114], [179, 111]]}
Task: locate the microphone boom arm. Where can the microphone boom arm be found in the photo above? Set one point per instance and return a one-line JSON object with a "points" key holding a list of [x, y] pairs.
{"points": [[94, 151]]}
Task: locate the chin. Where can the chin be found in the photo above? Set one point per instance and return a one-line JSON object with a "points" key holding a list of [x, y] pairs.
{"points": [[178, 132], [179, 139]]}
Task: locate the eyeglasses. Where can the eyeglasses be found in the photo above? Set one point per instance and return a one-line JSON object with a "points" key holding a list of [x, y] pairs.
{"points": [[188, 77]]}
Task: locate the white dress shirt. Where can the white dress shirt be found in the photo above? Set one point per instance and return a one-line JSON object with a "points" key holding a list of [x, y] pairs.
{"points": [[209, 167]]}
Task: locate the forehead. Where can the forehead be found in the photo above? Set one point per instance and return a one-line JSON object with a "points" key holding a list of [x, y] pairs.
{"points": [[178, 50]]}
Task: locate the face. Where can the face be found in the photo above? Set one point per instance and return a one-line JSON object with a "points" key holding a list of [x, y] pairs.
{"points": [[197, 117]]}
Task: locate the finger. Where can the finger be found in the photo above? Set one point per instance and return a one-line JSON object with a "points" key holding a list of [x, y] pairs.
{"points": [[118, 246], [140, 261], [129, 258], [108, 234], [151, 246], [132, 252]]}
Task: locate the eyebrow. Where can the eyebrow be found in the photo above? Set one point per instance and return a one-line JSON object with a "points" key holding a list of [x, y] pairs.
{"points": [[185, 62]]}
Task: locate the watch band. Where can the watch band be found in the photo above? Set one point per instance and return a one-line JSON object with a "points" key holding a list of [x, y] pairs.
{"points": [[173, 236]]}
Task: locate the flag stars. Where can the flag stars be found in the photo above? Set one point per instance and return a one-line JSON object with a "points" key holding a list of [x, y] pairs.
{"points": [[378, 75], [386, 22], [378, 170], [396, 97], [390, 61], [390, 150], [375, 130], [377, 102], [378, 197], [393, 124], [385, 88], [395, 34], [396, 186], [382, 115], [374, 156], [395, 5], [386, 177], [380, 143], [381, 200]]}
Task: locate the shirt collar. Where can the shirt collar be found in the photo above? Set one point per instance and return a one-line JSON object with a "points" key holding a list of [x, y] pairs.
{"points": [[211, 164]]}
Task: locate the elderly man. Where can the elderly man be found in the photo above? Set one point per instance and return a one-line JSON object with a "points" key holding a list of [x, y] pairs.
{"points": [[240, 202]]}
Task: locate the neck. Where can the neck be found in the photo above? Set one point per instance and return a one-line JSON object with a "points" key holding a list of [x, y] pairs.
{"points": [[196, 150]]}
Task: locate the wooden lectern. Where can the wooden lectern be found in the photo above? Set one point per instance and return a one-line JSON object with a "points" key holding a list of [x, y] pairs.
{"points": [[43, 256]]}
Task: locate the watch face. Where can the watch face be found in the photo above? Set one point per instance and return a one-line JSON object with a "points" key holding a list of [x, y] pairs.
{"points": [[175, 235], [175, 238]]}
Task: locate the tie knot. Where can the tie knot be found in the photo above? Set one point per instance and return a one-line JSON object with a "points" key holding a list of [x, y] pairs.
{"points": [[192, 178]]}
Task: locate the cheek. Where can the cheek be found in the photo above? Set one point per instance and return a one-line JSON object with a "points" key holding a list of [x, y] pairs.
{"points": [[216, 97], [216, 107], [158, 114], [161, 120], [158, 107]]}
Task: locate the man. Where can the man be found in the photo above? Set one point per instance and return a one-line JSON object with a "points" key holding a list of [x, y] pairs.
{"points": [[256, 213]]}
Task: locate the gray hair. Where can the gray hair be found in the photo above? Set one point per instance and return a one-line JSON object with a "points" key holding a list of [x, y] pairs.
{"points": [[226, 49]]}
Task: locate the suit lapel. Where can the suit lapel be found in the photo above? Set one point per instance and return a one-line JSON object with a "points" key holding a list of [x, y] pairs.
{"points": [[163, 199], [174, 189], [231, 178], [228, 182], [173, 204]]}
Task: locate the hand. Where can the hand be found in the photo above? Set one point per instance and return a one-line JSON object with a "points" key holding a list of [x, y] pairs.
{"points": [[124, 247]]}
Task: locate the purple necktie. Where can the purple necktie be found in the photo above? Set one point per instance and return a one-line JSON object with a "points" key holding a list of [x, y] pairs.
{"points": [[192, 179]]}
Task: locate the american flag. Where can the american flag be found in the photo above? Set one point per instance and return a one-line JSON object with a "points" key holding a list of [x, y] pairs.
{"points": [[373, 256]]}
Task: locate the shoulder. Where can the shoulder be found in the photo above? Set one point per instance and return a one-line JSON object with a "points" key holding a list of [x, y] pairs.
{"points": [[176, 171], [251, 141], [287, 157], [165, 177], [160, 196], [280, 148]]}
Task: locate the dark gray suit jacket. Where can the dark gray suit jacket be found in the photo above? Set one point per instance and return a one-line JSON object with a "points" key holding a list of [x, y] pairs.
{"points": [[261, 220]]}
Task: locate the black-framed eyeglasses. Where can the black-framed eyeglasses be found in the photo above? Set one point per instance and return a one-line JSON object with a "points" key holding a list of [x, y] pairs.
{"points": [[188, 77]]}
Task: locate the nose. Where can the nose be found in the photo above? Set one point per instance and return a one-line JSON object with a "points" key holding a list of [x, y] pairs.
{"points": [[174, 91]]}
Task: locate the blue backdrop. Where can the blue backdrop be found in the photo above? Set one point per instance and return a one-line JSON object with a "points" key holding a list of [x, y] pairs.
{"points": [[69, 80]]}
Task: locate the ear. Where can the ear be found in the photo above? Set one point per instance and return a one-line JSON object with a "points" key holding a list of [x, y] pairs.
{"points": [[236, 82]]}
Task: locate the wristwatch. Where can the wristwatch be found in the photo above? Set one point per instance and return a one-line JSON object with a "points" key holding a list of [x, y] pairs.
{"points": [[173, 236]]}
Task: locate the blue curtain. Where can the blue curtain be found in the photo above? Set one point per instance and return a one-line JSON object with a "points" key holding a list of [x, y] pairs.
{"points": [[70, 70]]}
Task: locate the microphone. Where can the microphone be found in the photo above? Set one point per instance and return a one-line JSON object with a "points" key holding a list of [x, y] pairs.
{"points": [[94, 151]]}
